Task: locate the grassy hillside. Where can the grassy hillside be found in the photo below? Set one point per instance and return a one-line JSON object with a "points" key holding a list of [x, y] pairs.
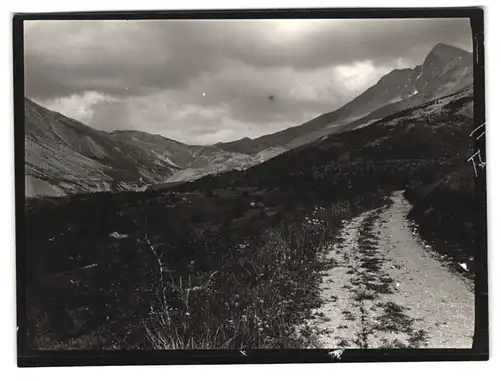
{"points": [[105, 269], [230, 260]]}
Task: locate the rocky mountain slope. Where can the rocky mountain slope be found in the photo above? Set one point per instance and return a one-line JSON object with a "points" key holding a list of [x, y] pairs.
{"points": [[64, 156], [194, 161], [174, 152], [433, 134], [445, 70], [212, 160]]}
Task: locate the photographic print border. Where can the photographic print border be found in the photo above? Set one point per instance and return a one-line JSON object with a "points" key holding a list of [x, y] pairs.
{"points": [[33, 358]]}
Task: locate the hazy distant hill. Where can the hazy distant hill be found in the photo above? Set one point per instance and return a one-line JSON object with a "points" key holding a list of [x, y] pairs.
{"points": [[194, 161], [64, 156]]}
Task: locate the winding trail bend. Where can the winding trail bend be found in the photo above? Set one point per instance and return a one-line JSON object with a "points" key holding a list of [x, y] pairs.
{"points": [[386, 289]]}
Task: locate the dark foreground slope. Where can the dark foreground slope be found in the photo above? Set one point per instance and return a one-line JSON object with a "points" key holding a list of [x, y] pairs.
{"points": [[448, 218], [229, 260]]}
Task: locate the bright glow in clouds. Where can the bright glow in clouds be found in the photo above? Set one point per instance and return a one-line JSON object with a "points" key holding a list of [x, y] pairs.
{"points": [[358, 76], [76, 106]]}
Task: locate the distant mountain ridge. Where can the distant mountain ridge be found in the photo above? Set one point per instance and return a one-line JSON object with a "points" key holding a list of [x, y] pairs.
{"points": [[445, 70], [64, 156], [195, 161], [434, 133], [175, 152]]}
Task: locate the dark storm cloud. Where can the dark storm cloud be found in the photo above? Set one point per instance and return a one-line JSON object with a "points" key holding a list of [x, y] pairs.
{"points": [[178, 76], [136, 56], [111, 57]]}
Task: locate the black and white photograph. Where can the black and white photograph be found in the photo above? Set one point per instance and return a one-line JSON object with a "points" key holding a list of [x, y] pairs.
{"points": [[226, 184]]}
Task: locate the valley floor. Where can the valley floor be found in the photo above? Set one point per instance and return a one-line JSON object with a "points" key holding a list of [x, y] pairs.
{"points": [[386, 289]]}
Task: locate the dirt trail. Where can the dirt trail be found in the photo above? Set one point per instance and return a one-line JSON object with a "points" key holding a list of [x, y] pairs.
{"points": [[388, 290]]}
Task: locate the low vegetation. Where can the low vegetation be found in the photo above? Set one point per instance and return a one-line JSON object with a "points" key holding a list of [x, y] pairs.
{"points": [[448, 218], [227, 261], [216, 269]]}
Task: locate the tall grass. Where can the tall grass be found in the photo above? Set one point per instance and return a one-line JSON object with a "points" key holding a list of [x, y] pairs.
{"points": [[259, 294]]}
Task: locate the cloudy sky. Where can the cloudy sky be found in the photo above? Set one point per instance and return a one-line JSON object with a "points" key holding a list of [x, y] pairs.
{"points": [[205, 81]]}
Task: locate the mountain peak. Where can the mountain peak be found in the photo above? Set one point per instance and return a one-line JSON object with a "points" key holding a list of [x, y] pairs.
{"points": [[443, 46], [444, 53]]}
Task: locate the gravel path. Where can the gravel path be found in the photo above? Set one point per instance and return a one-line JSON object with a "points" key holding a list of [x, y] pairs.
{"points": [[388, 290]]}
